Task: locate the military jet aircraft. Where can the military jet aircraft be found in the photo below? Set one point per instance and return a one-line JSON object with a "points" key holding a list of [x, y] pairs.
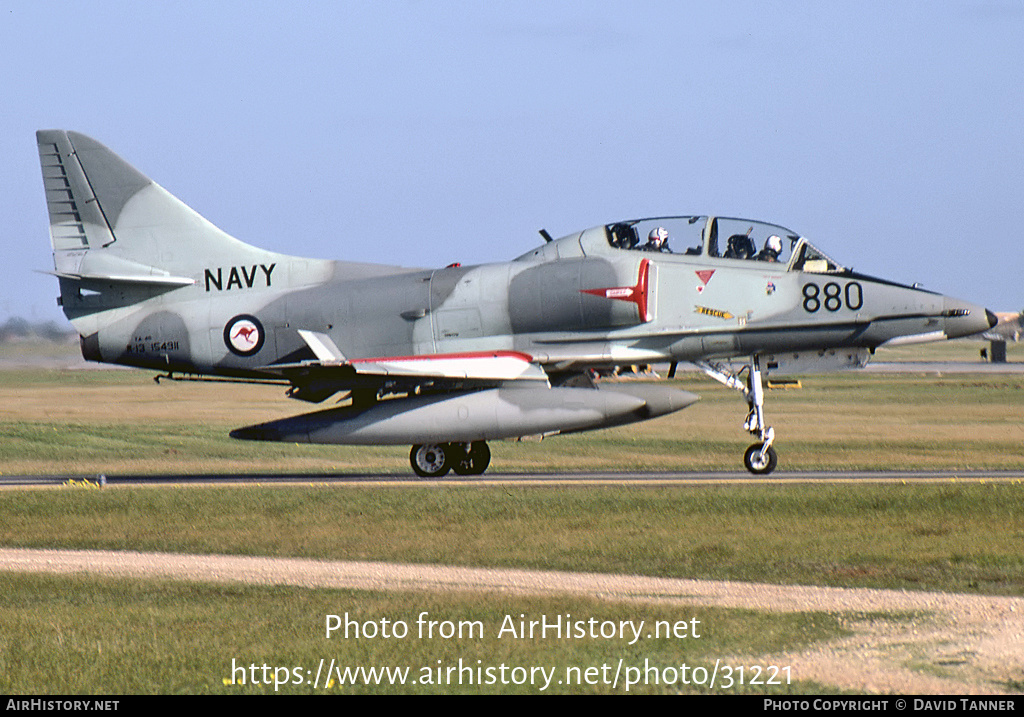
{"points": [[449, 358]]}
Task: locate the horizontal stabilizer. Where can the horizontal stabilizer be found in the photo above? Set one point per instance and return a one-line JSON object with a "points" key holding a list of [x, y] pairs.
{"points": [[170, 281]]}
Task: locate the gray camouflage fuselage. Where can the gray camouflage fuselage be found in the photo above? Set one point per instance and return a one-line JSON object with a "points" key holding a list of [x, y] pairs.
{"points": [[456, 354], [534, 304]]}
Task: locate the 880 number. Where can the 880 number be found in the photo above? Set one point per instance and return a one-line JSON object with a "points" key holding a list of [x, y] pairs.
{"points": [[833, 297]]}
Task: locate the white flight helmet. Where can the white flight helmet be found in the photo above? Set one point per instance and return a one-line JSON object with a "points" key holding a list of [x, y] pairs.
{"points": [[658, 235]]}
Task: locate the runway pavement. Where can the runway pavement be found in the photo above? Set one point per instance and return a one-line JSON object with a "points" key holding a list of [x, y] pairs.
{"points": [[687, 478]]}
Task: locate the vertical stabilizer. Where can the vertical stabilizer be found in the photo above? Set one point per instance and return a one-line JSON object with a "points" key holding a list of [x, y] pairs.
{"points": [[119, 238], [110, 221]]}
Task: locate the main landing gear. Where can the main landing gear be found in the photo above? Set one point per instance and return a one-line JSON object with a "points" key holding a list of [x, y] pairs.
{"points": [[760, 458], [433, 460]]}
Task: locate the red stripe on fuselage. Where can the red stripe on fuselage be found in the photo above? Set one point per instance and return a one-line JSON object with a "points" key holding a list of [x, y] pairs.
{"points": [[445, 357], [634, 294]]}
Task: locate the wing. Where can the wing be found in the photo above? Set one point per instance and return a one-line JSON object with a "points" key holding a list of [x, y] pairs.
{"points": [[330, 372]]}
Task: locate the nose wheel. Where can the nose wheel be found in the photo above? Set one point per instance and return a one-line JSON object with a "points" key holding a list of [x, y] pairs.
{"points": [[760, 458]]}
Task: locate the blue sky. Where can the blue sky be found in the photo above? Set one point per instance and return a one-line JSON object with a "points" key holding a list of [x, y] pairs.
{"points": [[422, 133]]}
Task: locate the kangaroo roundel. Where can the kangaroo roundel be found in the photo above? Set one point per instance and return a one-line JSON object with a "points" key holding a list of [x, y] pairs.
{"points": [[244, 335]]}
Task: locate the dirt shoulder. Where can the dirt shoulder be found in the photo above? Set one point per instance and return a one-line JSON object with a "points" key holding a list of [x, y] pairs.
{"points": [[939, 644]]}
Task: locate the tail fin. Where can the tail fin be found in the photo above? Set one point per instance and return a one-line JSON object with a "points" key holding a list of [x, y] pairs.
{"points": [[113, 228]]}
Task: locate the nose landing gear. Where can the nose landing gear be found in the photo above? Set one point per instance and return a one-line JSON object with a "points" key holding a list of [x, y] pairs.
{"points": [[760, 458]]}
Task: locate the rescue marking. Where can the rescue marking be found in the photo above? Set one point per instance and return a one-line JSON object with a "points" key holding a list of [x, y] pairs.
{"points": [[717, 313]]}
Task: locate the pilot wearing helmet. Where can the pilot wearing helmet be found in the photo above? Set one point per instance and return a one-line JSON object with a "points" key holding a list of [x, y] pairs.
{"points": [[657, 240], [772, 249]]}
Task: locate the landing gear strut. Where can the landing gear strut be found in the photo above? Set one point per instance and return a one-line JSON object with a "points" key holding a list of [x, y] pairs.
{"points": [[760, 458], [433, 460]]}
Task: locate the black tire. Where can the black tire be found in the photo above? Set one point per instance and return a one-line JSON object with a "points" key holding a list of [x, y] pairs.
{"points": [[755, 464], [430, 460], [472, 462]]}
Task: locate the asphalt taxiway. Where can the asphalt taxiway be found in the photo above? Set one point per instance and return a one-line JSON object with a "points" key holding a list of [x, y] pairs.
{"points": [[683, 478]]}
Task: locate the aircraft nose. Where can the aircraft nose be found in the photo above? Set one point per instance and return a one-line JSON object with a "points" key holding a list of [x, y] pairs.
{"points": [[965, 319]]}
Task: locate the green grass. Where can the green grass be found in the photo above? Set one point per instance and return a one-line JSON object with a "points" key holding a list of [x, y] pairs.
{"points": [[89, 635], [82, 422], [81, 635], [76, 635], [952, 537], [966, 350]]}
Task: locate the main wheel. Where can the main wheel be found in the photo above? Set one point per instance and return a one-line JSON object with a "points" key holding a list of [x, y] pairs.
{"points": [[429, 460], [757, 463], [474, 461]]}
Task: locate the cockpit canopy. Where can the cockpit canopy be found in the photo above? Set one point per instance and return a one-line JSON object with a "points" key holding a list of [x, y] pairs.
{"points": [[721, 238]]}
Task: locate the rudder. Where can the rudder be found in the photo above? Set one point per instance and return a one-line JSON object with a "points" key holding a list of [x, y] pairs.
{"points": [[76, 220]]}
